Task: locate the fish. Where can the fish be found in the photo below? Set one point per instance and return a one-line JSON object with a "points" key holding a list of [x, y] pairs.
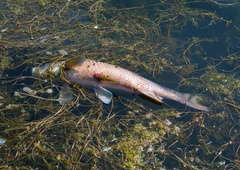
{"points": [[104, 78]]}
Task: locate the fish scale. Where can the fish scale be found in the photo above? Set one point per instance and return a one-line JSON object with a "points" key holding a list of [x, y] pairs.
{"points": [[103, 77]]}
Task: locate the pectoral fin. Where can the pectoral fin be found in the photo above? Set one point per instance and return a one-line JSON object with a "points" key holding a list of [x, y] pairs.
{"points": [[101, 77], [65, 95], [77, 61], [103, 94]]}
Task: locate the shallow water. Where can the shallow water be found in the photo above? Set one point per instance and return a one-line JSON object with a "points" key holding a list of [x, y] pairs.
{"points": [[187, 46]]}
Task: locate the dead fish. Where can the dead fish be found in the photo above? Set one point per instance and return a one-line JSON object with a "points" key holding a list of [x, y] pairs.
{"points": [[103, 77]]}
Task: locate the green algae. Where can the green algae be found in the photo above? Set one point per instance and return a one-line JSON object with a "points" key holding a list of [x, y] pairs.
{"points": [[133, 146], [163, 41]]}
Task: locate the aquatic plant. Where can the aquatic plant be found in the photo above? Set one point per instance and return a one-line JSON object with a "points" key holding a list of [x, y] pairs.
{"points": [[188, 45]]}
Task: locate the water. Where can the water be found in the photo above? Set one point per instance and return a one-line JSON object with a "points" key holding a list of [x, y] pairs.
{"points": [[187, 46]]}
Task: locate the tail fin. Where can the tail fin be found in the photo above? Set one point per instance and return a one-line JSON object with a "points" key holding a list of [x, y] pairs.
{"points": [[184, 98], [192, 101]]}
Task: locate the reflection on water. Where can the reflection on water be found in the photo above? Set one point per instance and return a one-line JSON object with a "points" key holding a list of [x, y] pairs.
{"points": [[186, 45]]}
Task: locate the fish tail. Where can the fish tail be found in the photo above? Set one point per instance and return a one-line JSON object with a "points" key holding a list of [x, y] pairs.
{"points": [[187, 99], [192, 101]]}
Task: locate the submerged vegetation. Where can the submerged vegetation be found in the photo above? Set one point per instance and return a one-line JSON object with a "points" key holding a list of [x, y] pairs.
{"points": [[188, 45]]}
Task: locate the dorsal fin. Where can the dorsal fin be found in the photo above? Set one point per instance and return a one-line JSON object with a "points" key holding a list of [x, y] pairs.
{"points": [[151, 96], [75, 61]]}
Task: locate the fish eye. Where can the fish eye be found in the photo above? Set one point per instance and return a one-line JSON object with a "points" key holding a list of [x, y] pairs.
{"points": [[66, 68]]}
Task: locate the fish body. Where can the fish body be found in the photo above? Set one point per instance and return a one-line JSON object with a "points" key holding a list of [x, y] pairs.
{"points": [[103, 77]]}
